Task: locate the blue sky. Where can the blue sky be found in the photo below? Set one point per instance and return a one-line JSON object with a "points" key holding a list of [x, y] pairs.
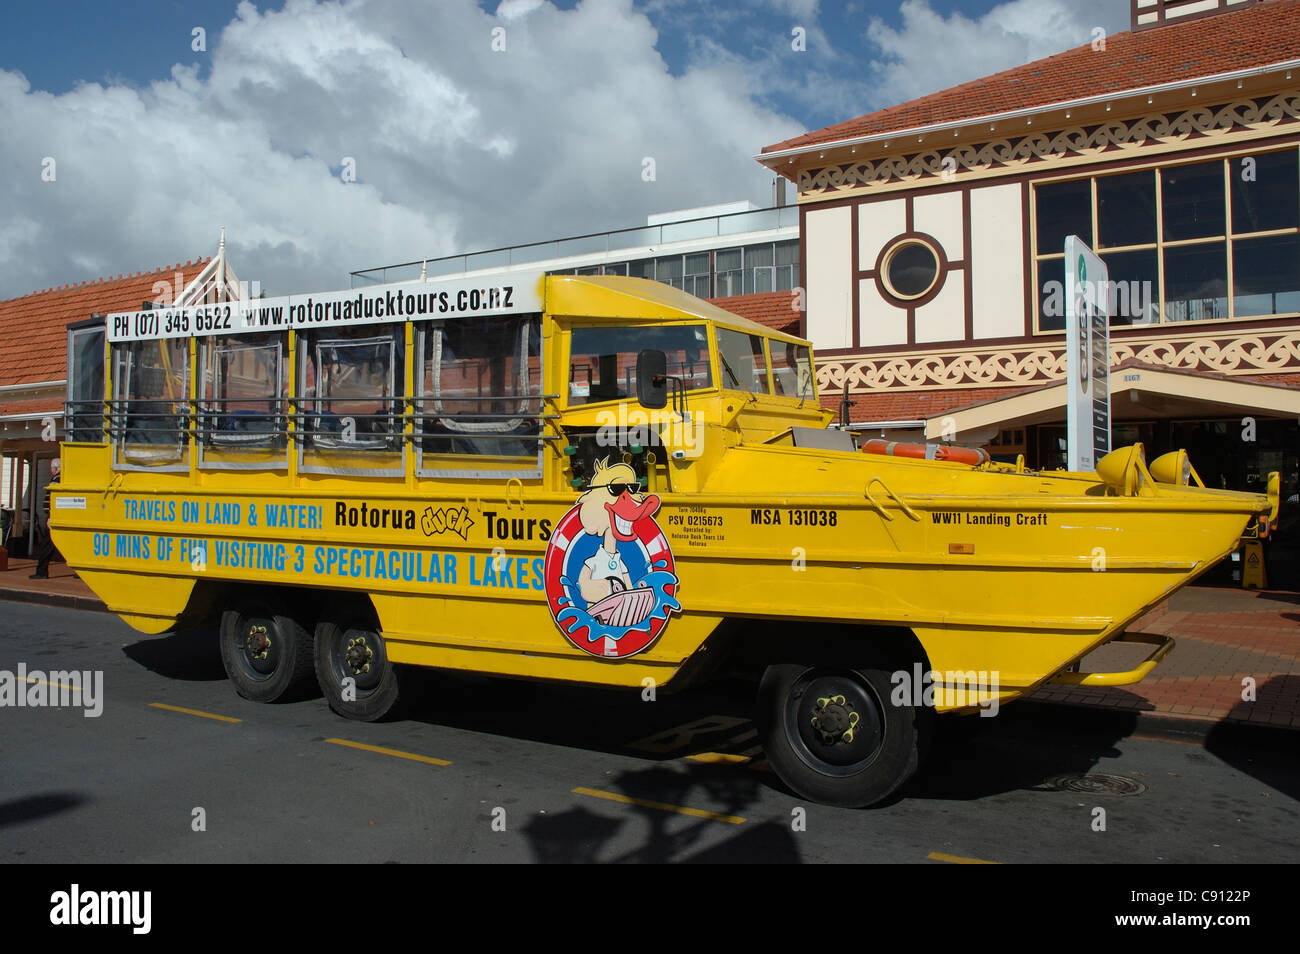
{"points": [[457, 145]]}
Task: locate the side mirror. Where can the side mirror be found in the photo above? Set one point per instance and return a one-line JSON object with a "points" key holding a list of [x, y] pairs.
{"points": [[652, 379]]}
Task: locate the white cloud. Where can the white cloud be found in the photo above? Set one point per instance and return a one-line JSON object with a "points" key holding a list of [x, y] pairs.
{"points": [[456, 147], [931, 52], [517, 9]]}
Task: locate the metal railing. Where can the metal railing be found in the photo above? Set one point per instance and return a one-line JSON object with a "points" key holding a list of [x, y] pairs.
{"points": [[151, 422], [596, 243]]}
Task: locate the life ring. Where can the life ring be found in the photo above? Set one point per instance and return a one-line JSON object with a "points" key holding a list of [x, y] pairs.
{"points": [[962, 455]]}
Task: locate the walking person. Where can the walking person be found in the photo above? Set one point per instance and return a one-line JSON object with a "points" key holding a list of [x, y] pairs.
{"points": [[43, 543]]}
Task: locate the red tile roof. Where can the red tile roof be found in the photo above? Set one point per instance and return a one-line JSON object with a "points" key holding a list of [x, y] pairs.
{"points": [[34, 327], [774, 309], [905, 405], [1255, 35]]}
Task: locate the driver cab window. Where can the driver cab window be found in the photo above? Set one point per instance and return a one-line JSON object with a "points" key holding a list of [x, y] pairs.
{"points": [[602, 359], [791, 369], [741, 362]]}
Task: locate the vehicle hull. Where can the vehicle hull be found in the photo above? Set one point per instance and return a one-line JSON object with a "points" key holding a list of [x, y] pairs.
{"points": [[1007, 576]]}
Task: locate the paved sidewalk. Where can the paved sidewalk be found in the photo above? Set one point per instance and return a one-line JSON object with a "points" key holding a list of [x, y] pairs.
{"points": [[63, 588], [1225, 636]]}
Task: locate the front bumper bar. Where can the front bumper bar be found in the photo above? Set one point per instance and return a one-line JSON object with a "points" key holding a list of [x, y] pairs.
{"points": [[1163, 645]]}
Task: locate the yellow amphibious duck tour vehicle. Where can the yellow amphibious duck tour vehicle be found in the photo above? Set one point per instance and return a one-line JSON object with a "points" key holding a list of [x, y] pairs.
{"points": [[590, 479]]}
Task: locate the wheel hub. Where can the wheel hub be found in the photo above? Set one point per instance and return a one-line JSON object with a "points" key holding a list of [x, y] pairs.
{"points": [[260, 647], [835, 719], [358, 655], [258, 642]]}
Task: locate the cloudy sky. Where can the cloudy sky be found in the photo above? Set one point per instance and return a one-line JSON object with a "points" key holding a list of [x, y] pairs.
{"points": [[127, 139]]}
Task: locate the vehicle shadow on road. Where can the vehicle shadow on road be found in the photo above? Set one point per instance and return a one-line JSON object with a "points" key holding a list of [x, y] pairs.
{"points": [[1260, 751], [617, 721], [973, 757], [1023, 748], [190, 655], [29, 808]]}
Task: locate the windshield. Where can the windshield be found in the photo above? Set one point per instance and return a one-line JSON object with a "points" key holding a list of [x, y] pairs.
{"points": [[602, 360], [741, 361], [791, 369]]}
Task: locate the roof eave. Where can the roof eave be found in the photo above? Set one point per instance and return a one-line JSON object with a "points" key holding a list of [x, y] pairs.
{"points": [[1029, 111]]}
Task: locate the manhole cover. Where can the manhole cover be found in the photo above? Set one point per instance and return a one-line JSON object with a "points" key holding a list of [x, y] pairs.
{"points": [[1097, 785]]}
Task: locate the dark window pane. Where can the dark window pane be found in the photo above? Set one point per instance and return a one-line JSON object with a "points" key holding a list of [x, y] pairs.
{"points": [[602, 359], [1272, 200], [1061, 209], [1193, 201], [669, 270], [1196, 282], [1051, 295], [86, 385], [1266, 275], [645, 268], [758, 255], [696, 280], [911, 270], [1126, 209], [1134, 297], [727, 259]]}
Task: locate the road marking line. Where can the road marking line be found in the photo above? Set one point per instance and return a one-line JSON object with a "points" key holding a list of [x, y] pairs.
{"points": [[395, 753], [716, 758], [958, 859], [645, 803], [54, 685], [194, 712]]}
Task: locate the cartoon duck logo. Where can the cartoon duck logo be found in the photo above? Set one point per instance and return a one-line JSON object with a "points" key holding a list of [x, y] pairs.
{"points": [[611, 581]]}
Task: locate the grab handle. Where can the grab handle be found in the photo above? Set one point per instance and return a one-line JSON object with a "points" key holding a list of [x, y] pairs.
{"points": [[892, 496]]}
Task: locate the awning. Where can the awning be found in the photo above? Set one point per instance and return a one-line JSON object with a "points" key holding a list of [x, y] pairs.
{"points": [[1138, 391]]}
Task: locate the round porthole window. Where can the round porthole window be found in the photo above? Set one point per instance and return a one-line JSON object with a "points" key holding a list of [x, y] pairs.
{"points": [[911, 269]]}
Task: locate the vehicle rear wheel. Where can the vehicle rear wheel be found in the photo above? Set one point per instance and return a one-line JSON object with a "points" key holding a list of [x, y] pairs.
{"points": [[267, 655], [833, 736], [354, 673]]}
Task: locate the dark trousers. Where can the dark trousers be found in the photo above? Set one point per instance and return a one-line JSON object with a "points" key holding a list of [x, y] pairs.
{"points": [[43, 547]]}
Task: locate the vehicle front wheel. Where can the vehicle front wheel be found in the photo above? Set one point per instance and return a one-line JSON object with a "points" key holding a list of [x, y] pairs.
{"points": [[267, 655], [354, 673], [833, 736]]}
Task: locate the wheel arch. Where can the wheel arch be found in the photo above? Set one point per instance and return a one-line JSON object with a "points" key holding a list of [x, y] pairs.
{"points": [[307, 604], [752, 644]]}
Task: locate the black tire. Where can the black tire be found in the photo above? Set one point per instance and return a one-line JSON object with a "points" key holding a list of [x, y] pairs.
{"points": [[267, 655], [357, 651], [807, 725]]}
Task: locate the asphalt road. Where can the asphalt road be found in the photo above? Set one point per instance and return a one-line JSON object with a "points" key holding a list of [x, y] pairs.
{"points": [[503, 771]]}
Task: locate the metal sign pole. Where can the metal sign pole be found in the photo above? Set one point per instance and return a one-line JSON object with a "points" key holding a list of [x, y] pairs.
{"points": [[1087, 348]]}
